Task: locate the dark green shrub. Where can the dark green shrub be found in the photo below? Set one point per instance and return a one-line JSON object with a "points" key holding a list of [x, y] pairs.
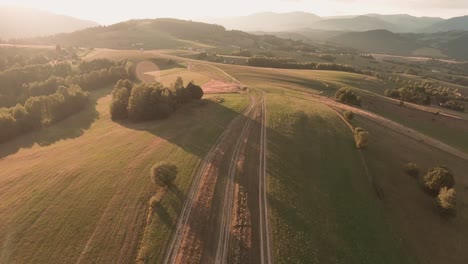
{"points": [[164, 173], [195, 91], [362, 138], [446, 199]]}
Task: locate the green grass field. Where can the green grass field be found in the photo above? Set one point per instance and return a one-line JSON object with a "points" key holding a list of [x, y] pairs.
{"points": [[80, 190], [323, 207]]}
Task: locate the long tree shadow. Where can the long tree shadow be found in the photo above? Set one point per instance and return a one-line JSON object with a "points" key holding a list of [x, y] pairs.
{"points": [[71, 127], [194, 127]]}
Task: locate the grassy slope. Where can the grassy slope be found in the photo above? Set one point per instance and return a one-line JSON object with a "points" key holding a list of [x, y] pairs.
{"points": [[441, 129], [323, 207], [433, 239], [83, 190], [302, 191], [448, 133]]}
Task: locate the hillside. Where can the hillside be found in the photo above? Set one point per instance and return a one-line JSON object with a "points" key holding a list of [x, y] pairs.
{"points": [[163, 33], [380, 41], [407, 23], [360, 23], [16, 22], [440, 45], [456, 23]]}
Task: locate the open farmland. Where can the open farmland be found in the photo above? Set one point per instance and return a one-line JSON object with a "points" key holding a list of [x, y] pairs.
{"points": [[80, 190], [268, 173]]}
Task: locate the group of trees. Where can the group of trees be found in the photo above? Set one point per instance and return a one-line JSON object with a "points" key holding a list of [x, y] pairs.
{"points": [[13, 80], [410, 94], [287, 63], [41, 111], [439, 182], [142, 102], [19, 56], [33, 96], [420, 92], [17, 84], [347, 96]]}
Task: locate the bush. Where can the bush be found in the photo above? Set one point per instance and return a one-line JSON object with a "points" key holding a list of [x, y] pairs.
{"points": [[437, 178], [349, 115], [411, 169], [454, 105], [164, 173], [347, 96], [362, 138], [446, 199]]}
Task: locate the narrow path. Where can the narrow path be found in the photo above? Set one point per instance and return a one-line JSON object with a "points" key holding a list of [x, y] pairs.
{"points": [[416, 135], [204, 232], [210, 165], [265, 248]]}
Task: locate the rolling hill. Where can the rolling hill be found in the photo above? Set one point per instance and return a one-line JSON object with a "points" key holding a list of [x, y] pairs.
{"points": [[164, 33], [380, 41], [407, 23], [295, 21], [268, 21], [360, 23], [439, 45], [452, 24], [16, 22]]}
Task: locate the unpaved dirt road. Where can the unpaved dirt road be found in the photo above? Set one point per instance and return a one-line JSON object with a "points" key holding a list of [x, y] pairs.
{"points": [[225, 216]]}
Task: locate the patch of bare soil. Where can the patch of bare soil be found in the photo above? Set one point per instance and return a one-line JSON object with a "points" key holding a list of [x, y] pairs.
{"points": [[216, 86]]}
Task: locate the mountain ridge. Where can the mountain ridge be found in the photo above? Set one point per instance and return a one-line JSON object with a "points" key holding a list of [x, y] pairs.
{"points": [[20, 22]]}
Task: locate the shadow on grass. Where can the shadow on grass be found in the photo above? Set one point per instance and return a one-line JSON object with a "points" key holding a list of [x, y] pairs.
{"points": [[71, 127], [193, 127]]}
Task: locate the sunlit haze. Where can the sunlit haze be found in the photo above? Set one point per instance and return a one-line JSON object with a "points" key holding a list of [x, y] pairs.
{"points": [[108, 12]]}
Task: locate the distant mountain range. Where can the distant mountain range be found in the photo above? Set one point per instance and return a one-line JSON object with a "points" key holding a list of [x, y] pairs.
{"points": [[449, 44], [401, 23], [17, 22]]}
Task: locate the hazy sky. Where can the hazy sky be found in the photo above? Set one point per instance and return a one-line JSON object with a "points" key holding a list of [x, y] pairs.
{"points": [[111, 11]]}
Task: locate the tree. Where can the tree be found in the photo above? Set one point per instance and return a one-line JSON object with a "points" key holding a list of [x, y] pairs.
{"points": [[8, 125], [437, 178], [164, 173], [362, 138], [178, 84], [195, 91], [446, 199], [119, 104]]}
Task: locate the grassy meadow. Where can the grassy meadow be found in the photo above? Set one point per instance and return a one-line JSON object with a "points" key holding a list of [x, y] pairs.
{"points": [[79, 191]]}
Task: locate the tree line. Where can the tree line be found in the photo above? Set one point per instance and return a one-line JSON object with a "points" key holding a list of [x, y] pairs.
{"points": [[421, 93], [17, 84], [142, 102], [39, 111], [40, 95], [287, 63]]}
